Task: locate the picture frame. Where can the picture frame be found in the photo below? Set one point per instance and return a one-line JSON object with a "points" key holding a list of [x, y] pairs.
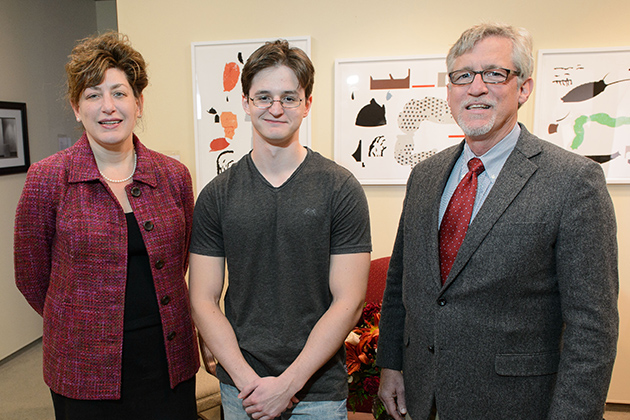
{"points": [[583, 105], [223, 132], [391, 113], [14, 151]]}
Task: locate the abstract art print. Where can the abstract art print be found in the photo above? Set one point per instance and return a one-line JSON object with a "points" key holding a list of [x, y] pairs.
{"points": [[14, 154], [583, 105], [391, 113], [223, 132]]}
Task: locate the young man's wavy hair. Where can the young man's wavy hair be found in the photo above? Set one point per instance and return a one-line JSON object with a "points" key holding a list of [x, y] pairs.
{"points": [[279, 53]]}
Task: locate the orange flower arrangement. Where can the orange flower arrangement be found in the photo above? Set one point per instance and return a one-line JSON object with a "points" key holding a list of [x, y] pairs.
{"points": [[363, 374]]}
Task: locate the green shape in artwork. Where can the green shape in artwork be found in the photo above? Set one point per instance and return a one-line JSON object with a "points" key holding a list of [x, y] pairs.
{"points": [[600, 118]]}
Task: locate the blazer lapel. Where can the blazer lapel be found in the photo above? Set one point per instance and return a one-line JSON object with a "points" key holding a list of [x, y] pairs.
{"points": [[440, 171], [515, 173]]}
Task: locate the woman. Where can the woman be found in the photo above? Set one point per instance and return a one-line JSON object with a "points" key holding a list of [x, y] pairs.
{"points": [[101, 249]]}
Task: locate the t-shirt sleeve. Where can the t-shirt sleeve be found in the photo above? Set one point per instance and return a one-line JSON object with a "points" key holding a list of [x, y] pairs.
{"points": [[207, 235], [350, 230]]}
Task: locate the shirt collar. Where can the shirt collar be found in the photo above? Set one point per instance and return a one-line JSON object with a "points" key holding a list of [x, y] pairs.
{"points": [[494, 158], [83, 165]]}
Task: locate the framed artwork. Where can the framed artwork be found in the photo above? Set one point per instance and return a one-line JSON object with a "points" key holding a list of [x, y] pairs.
{"points": [[391, 113], [223, 132], [14, 157], [583, 105]]}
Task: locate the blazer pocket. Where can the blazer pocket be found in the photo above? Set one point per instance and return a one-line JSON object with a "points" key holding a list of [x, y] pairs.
{"points": [[532, 364]]}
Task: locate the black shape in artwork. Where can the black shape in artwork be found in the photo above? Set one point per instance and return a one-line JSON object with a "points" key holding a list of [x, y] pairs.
{"points": [[357, 153], [225, 159], [377, 147], [240, 57], [588, 91], [603, 158], [212, 111], [371, 115]]}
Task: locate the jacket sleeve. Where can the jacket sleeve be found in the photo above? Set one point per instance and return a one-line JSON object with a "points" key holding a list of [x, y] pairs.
{"points": [[586, 257], [188, 202], [34, 234], [393, 312]]}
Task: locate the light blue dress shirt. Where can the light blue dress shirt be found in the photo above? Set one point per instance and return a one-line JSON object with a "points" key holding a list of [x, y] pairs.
{"points": [[493, 161]]}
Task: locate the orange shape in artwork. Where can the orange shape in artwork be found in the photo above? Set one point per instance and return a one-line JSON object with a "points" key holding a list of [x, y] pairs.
{"points": [[218, 144], [230, 76], [229, 124]]}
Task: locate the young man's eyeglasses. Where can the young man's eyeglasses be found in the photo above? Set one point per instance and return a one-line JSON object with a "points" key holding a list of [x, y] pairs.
{"points": [[490, 76], [266, 101]]}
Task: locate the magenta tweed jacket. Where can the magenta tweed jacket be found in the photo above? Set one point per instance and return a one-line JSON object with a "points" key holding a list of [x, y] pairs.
{"points": [[70, 255]]}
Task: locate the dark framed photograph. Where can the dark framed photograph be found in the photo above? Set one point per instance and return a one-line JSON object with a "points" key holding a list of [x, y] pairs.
{"points": [[14, 157]]}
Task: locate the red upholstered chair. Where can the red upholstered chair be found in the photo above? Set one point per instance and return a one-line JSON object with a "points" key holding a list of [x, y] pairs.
{"points": [[377, 280], [375, 289]]}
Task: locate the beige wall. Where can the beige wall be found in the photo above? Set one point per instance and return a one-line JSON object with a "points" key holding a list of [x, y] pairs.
{"points": [[163, 31]]}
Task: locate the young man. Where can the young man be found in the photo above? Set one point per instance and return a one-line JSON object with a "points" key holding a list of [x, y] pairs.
{"points": [[507, 307], [294, 229]]}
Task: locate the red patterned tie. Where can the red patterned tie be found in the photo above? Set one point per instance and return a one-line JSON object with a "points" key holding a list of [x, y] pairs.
{"points": [[457, 217]]}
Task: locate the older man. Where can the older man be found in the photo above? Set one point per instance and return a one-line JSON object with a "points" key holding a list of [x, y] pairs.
{"points": [[501, 298]]}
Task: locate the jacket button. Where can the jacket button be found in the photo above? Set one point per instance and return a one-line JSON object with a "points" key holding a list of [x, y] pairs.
{"points": [[135, 191], [431, 349], [165, 300], [148, 226], [171, 336], [159, 264], [441, 302]]}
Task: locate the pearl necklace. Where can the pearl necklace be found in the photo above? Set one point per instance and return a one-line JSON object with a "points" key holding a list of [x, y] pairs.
{"points": [[135, 163]]}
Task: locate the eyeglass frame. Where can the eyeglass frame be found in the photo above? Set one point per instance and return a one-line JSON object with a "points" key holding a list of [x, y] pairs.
{"points": [[481, 73], [275, 100]]}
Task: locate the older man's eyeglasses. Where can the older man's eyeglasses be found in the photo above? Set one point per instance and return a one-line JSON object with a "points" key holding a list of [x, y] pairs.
{"points": [[266, 101], [490, 76]]}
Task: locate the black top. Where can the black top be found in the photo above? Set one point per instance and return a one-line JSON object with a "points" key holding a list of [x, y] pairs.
{"points": [[141, 306]]}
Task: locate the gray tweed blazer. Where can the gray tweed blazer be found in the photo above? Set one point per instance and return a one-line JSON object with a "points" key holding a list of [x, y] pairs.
{"points": [[526, 324]]}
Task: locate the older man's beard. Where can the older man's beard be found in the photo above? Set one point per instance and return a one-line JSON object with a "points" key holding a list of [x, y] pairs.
{"points": [[477, 130]]}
